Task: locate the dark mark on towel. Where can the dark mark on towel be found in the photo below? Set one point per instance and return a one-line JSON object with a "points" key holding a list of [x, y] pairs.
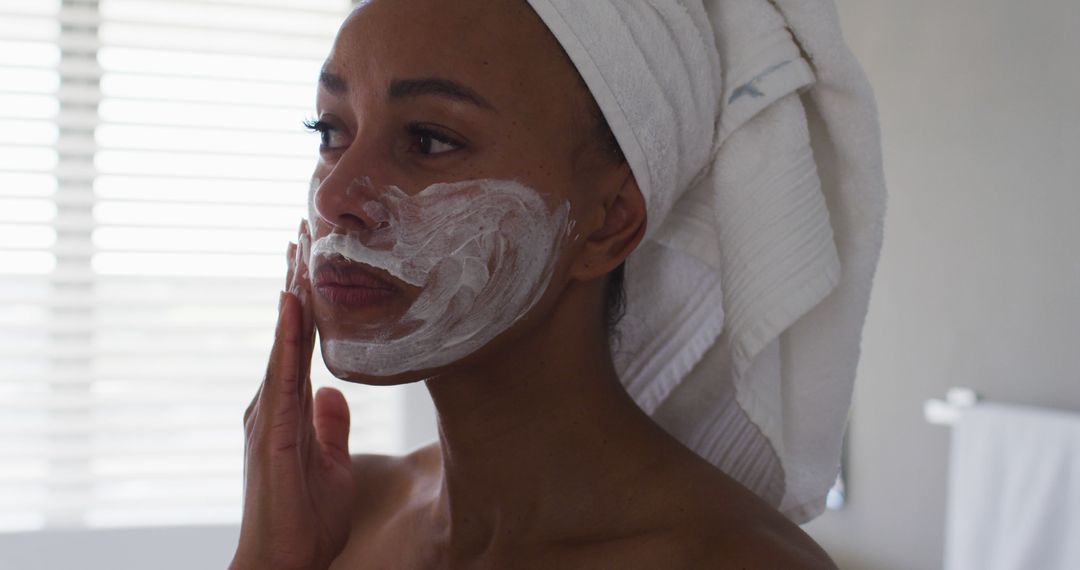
{"points": [[750, 87]]}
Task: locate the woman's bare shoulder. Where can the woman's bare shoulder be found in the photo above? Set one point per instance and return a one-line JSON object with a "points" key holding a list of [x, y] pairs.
{"points": [[387, 487], [720, 542], [711, 521], [385, 481], [740, 530], [755, 543]]}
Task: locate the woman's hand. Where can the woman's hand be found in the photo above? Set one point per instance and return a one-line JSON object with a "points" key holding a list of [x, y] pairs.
{"points": [[298, 481]]}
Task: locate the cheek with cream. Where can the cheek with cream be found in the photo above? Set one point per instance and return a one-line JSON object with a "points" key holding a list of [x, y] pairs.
{"points": [[482, 253]]}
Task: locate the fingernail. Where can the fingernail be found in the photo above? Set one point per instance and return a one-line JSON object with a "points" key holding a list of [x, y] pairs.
{"points": [[281, 301]]}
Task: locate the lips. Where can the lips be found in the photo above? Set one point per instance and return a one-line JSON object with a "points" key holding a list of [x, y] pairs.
{"points": [[352, 285]]}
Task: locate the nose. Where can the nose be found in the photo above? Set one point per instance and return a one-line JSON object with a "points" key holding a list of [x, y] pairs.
{"points": [[347, 202]]}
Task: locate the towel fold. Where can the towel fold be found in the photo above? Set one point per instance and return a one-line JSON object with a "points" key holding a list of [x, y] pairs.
{"points": [[1014, 490], [753, 136]]}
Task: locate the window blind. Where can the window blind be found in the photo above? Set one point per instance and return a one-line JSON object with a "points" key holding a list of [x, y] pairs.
{"points": [[153, 167]]}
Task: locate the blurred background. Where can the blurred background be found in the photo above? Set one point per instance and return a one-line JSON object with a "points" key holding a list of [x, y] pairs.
{"points": [[153, 167], [979, 280]]}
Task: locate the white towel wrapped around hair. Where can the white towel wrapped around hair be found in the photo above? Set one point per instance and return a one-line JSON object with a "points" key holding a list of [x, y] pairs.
{"points": [[752, 132]]}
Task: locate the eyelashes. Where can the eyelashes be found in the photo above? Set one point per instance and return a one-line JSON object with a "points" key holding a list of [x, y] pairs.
{"points": [[324, 129], [423, 138], [430, 139]]}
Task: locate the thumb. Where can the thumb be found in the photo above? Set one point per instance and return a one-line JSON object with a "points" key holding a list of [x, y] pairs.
{"points": [[332, 425]]}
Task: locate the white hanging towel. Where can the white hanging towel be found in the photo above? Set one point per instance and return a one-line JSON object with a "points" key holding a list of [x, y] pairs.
{"points": [[1014, 490]]}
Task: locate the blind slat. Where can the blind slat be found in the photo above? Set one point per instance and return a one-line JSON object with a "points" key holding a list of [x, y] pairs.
{"points": [[72, 223], [210, 298], [90, 249], [65, 479]]}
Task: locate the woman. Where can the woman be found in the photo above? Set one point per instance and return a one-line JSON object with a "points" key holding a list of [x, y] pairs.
{"points": [[471, 213]]}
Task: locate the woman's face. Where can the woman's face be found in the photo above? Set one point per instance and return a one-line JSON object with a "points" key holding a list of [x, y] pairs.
{"points": [[454, 168]]}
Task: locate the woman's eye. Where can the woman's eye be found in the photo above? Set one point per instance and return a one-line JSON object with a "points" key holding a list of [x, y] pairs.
{"points": [[330, 137], [430, 142]]}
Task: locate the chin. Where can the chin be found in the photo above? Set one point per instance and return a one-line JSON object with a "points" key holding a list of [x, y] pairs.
{"points": [[395, 380], [348, 363], [349, 375]]}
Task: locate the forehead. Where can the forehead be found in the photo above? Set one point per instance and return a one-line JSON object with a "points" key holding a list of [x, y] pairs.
{"points": [[498, 47], [468, 21]]}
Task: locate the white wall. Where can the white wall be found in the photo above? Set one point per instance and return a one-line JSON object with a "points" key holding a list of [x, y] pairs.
{"points": [[979, 282]]}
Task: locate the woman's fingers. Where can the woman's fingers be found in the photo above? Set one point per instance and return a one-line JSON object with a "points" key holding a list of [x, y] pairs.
{"points": [[299, 286], [290, 262], [332, 425], [277, 404], [302, 287], [303, 275], [297, 469], [252, 410], [282, 410]]}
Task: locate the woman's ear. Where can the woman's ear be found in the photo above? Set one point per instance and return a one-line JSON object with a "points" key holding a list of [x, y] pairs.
{"points": [[614, 230]]}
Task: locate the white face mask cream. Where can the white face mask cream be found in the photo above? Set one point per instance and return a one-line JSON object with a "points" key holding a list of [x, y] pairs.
{"points": [[483, 252]]}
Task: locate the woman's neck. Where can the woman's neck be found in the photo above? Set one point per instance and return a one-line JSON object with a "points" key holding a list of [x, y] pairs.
{"points": [[531, 441]]}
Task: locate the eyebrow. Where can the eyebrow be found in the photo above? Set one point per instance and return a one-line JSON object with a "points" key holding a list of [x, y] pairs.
{"points": [[438, 86], [333, 83], [408, 88]]}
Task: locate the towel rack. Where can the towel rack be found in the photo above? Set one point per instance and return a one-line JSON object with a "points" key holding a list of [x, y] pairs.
{"points": [[947, 412]]}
